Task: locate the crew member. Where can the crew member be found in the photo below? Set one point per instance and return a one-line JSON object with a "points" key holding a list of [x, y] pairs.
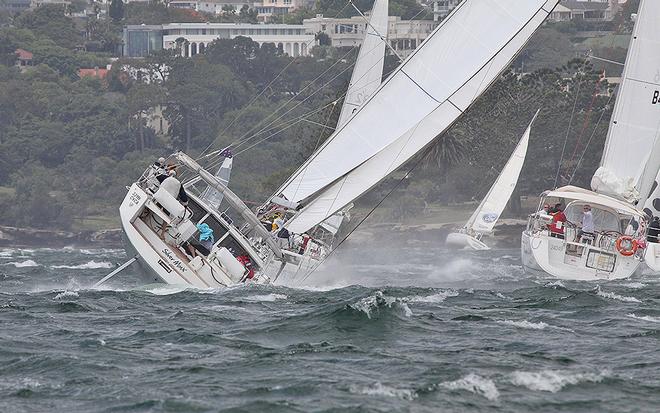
{"points": [[558, 221], [587, 222]]}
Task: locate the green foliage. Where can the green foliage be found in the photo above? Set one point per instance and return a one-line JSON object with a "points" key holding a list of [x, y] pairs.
{"points": [[50, 21]]}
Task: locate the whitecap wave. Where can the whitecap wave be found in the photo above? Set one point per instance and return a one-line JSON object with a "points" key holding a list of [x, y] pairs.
{"points": [[645, 318], [556, 284], [434, 298], [634, 285], [614, 296], [23, 264], [379, 389], [525, 324], [66, 294], [373, 303], [476, 384], [551, 380], [90, 265], [266, 297]]}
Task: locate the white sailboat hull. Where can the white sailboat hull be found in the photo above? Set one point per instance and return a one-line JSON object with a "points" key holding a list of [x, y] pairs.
{"points": [[652, 257], [540, 252], [461, 240]]}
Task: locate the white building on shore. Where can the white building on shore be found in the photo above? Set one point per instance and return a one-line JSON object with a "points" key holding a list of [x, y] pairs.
{"points": [[193, 38], [403, 35]]}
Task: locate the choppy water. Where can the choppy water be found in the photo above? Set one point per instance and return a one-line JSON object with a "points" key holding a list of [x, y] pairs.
{"points": [[403, 329]]}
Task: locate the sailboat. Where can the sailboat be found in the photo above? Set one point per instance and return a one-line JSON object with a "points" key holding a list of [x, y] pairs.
{"points": [[485, 217], [630, 163], [421, 99]]}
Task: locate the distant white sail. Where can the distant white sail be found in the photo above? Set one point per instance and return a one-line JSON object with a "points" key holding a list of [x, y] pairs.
{"points": [[489, 19], [368, 71], [432, 87], [212, 196], [633, 131], [485, 217]]}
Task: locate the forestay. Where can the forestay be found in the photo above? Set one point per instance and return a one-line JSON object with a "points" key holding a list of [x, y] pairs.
{"points": [[368, 71], [631, 157], [441, 78], [475, 24], [485, 217]]}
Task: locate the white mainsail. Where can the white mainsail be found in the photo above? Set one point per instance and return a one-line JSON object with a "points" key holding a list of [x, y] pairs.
{"points": [[634, 126], [368, 71], [485, 217], [491, 31], [449, 69]]}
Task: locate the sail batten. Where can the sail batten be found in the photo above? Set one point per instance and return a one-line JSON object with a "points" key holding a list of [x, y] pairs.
{"points": [[420, 134], [467, 46]]}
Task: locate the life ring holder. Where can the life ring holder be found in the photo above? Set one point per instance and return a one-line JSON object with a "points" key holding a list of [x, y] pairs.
{"points": [[622, 245]]}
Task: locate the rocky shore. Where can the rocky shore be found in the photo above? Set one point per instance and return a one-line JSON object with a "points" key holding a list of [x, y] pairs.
{"points": [[32, 237]]}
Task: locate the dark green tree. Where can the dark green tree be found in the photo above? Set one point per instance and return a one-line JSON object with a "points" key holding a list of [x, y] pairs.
{"points": [[116, 10]]}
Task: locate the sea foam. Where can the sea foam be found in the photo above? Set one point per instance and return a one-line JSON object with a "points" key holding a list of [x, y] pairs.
{"points": [[525, 324], [551, 380], [378, 389], [373, 303], [86, 266], [476, 384], [23, 264], [645, 318], [266, 297], [614, 296], [434, 298]]}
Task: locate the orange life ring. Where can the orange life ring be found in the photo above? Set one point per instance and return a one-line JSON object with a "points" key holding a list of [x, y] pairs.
{"points": [[629, 246]]}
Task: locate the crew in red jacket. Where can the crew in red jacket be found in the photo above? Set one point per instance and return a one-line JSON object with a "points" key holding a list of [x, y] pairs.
{"points": [[558, 221]]}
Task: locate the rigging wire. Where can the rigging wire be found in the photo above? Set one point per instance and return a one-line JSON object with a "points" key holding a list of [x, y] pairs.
{"points": [[591, 137], [570, 122]]}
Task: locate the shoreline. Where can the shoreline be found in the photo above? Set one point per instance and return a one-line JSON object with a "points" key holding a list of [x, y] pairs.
{"points": [[15, 237]]}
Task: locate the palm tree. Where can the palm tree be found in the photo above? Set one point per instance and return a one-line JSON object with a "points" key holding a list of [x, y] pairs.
{"points": [[447, 151]]}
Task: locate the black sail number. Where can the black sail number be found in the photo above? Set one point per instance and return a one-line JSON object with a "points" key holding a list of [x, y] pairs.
{"points": [[656, 97]]}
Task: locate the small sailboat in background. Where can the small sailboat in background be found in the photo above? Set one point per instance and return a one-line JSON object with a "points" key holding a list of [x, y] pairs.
{"points": [[615, 246], [485, 217]]}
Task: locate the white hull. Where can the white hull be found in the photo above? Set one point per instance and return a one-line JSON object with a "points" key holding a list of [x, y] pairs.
{"points": [[540, 252], [462, 240], [652, 257]]}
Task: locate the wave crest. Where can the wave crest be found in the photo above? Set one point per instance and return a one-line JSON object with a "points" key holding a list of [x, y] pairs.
{"points": [[614, 296], [372, 304], [378, 389], [551, 380], [476, 384], [23, 264], [90, 265]]}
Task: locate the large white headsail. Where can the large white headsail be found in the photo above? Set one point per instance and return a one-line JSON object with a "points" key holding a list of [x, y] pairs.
{"points": [[627, 171], [449, 69], [420, 134], [368, 71], [485, 217]]}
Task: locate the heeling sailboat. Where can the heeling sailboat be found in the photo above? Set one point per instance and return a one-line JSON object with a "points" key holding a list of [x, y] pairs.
{"points": [[485, 217], [160, 232], [613, 247], [422, 98]]}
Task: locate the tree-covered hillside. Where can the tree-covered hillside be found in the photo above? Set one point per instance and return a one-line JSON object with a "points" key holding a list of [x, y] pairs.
{"points": [[70, 145]]}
